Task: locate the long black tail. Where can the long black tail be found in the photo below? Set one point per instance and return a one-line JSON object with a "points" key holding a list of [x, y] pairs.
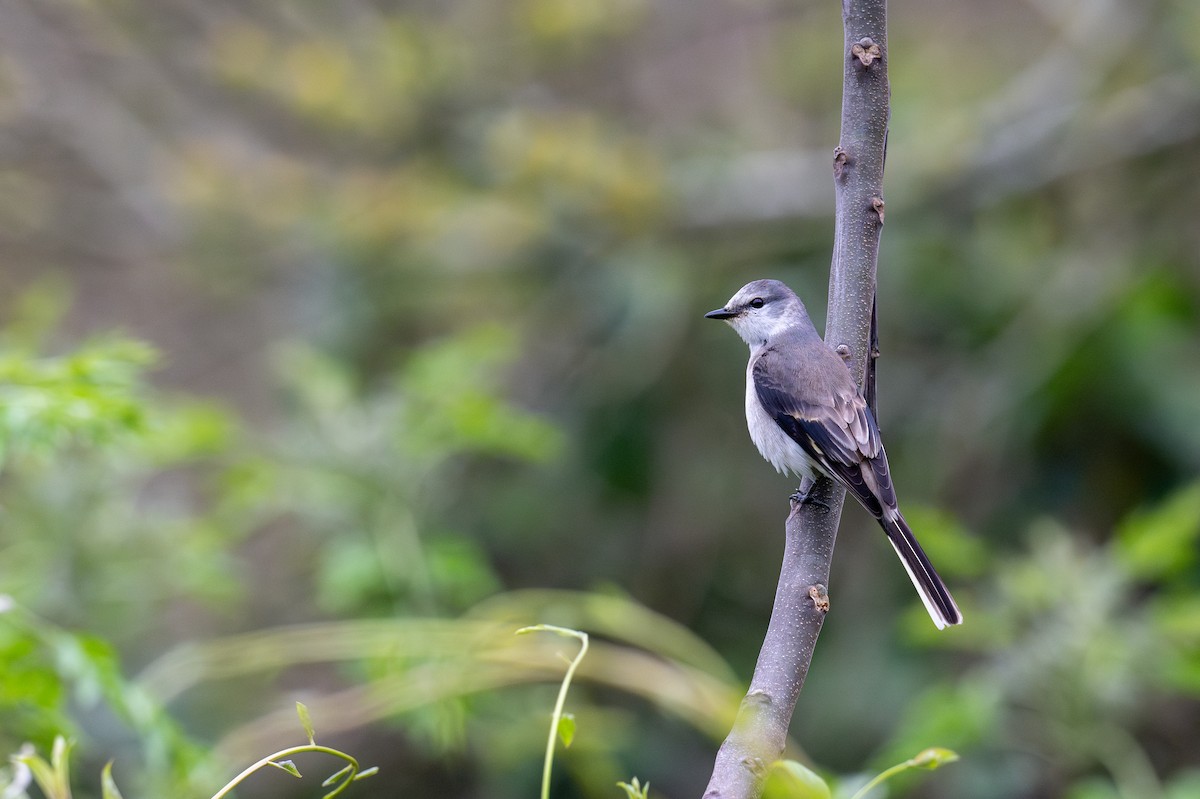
{"points": [[933, 591]]}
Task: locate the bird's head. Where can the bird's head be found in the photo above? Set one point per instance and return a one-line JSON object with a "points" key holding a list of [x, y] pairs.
{"points": [[760, 309]]}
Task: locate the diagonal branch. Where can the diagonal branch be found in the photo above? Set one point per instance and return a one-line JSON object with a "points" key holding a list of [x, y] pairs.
{"points": [[760, 732]]}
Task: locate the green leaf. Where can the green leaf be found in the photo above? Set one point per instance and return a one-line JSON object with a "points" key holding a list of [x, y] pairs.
{"points": [[53, 777], [90, 396], [43, 774], [108, 785], [566, 729], [634, 789], [367, 772], [1160, 542], [285, 765], [60, 760], [933, 757], [462, 570], [306, 720], [451, 388], [791, 780]]}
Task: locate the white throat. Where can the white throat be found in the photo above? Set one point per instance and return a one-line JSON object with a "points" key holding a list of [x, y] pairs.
{"points": [[757, 329]]}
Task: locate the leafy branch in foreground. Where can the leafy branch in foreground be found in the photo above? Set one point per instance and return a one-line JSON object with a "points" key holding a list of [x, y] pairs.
{"points": [[791, 780], [53, 777]]}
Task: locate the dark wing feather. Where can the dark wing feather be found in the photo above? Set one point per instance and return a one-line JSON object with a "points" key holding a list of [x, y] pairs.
{"points": [[811, 395]]}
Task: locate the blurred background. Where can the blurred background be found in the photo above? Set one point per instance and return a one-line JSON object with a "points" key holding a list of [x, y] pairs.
{"points": [[340, 340]]}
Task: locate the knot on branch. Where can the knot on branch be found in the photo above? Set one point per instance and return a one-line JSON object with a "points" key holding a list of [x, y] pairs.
{"points": [[841, 160], [877, 207], [819, 596], [756, 698], [866, 51]]}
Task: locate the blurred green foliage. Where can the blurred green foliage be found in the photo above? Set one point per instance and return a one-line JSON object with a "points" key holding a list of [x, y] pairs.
{"points": [[53, 776], [89, 396], [332, 331]]}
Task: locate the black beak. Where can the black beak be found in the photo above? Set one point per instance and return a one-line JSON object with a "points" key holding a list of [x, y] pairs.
{"points": [[720, 313]]}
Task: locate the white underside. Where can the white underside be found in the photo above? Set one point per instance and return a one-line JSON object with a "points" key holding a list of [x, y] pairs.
{"points": [[773, 444]]}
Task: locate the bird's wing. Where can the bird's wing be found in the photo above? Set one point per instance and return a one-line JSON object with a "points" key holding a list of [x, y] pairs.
{"points": [[818, 405]]}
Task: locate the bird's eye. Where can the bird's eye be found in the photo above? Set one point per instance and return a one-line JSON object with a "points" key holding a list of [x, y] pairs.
{"points": [[757, 302]]}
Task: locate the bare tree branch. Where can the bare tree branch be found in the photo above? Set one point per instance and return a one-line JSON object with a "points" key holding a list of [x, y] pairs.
{"points": [[760, 732]]}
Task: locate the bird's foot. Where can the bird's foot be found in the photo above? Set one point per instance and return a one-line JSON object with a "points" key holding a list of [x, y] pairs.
{"points": [[803, 495]]}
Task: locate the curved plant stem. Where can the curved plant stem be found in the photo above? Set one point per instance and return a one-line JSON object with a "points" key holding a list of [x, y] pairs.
{"points": [[934, 757], [556, 717], [880, 778], [351, 770]]}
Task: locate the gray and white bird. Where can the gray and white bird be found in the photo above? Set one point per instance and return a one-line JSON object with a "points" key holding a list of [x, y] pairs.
{"points": [[807, 416]]}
